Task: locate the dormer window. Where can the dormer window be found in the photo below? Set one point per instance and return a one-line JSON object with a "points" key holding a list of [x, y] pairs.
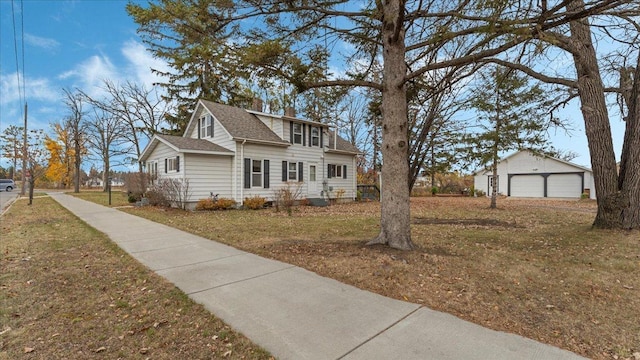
{"points": [[297, 133], [315, 136], [206, 127]]}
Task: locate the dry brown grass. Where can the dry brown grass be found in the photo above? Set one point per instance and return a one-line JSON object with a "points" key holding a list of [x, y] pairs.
{"points": [[67, 292], [534, 268]]}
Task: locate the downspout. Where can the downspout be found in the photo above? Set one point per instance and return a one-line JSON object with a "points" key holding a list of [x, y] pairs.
{"points": [[242, 170]]}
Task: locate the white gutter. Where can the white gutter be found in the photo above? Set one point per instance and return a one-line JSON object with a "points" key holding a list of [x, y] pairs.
{"points": [[242, 169]]}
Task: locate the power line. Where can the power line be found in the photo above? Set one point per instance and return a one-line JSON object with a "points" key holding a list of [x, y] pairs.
{"points": [[24, 79], [15, 48]]}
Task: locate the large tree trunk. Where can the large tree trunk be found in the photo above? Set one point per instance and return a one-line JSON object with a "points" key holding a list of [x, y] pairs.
{"points": [[629, 177], [395, 222], [596, 122]]}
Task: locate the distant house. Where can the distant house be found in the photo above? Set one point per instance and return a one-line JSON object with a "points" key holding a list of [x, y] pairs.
{"points": [[237, 153], [525, 174], [97, 182]]}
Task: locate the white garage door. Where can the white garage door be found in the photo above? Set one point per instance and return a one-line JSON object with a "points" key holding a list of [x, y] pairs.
{"points": [[527, 186], [564, 185]]}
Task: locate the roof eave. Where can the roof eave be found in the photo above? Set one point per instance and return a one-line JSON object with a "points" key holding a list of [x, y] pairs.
{"points": [[266, 142], [345, 152], [314, 123], [206, 152]]}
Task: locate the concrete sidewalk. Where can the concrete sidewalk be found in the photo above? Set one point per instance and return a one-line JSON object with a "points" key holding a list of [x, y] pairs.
{"points": [[294, 313]]}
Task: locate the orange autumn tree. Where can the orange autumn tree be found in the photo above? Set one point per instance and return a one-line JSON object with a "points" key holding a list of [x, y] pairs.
{"points": [[61, 157]]}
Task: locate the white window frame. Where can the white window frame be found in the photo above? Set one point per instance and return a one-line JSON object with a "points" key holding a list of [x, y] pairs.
{"points": [[152, 169], [312, 173], [292, 168], [206, 127], [171, 165], [297, 133], [254, 173], [315, 136]]}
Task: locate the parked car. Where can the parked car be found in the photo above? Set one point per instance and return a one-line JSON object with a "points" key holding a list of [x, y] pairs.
{"points": [[7, 185]]}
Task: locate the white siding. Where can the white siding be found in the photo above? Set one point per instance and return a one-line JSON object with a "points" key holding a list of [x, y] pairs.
{"points": [[348, 184], [524, 162], [208, 174], [222, 137], [295, 153], [159, 154], [196, 117], [275, 124]]}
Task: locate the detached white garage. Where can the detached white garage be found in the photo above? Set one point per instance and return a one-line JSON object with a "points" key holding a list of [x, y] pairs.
{"points": [[526, 174]]}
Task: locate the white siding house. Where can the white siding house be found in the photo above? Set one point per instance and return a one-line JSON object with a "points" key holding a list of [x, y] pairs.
{"points": [[525, 174], [238, 153]]}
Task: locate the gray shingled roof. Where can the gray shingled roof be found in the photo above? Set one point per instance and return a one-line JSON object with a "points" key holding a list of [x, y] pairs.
{"points": [[341, 144], [241, 124], [188, 144]]}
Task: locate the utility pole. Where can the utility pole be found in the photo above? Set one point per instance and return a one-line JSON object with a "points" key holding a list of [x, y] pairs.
{"points": [[24, 153]]}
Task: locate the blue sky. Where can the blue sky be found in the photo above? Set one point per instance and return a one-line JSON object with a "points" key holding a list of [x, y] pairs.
{"points": [[67, 44], [78, 44]]}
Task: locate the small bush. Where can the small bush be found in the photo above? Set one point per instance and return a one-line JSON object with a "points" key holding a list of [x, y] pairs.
{"points": [[134, 196], [480, 193], [209, 204], [225, 204], [434, 191], [254, 203], [205, 204], [157, 198], [584, 196], [287, 196]]}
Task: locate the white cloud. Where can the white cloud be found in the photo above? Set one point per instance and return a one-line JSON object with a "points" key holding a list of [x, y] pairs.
{"points": [[141, 62], [90, 74], [35, 89], [41, 42]]}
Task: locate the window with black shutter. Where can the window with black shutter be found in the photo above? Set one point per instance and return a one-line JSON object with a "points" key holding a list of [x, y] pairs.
{"points": [[266, 174], [247, 173]]}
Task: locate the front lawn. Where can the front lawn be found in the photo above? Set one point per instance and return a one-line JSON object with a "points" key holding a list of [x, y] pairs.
{"points": [[535, 268], [67, 292]]}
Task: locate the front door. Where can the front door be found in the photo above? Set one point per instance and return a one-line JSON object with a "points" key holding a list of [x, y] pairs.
{"points": [[313, 187]]}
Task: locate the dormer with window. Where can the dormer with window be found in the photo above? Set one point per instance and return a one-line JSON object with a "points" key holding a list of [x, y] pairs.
{"points": [[205, 127], [297, 133], [305, 133]]}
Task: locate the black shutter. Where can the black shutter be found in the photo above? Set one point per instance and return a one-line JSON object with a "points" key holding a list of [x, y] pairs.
{"points": [[310, 139], [199, 125], [165, 165], [304, 134], [344, 171], [266, 173], [300, 171], [329, 171], [247, 173], [291, 132], [178, 163], [321, 138], [284, 171]]}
